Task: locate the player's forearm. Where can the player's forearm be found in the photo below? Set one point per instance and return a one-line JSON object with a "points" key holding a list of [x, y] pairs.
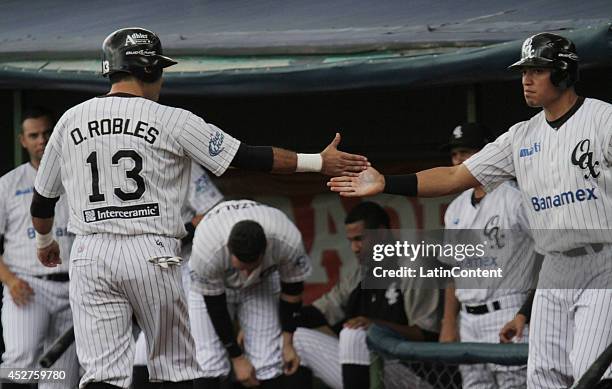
{"points": [[434, 182], [451, 306], [6, 274], [222, 323], [42, 226], [289, 307]]}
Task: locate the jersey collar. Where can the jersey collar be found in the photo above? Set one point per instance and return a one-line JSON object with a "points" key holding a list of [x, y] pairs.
{"points": [[555, 124]]}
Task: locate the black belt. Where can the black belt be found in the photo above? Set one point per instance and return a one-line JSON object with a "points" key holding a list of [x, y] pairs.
{"points": [[57, 277], [482, 309], [579, 251]]}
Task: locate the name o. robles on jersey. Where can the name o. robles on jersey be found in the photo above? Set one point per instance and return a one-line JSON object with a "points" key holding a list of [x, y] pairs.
{"points": [[115, 126]]}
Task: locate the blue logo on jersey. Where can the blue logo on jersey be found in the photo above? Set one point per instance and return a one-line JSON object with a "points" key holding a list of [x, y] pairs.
{"points": [[31, 233], [202, 183], [24, 191], [529, 151], [561, 199], [456, 221], [215, 144]]}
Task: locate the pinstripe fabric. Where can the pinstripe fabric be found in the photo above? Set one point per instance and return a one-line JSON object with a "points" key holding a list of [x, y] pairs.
{"points": [[254, 300], [573, 326], [485, 328], [210, 260], [201, 197], [16, 224], [31, 329], [167, 138], [556, 169], [324, 354], [256, 308], [111, 282]]}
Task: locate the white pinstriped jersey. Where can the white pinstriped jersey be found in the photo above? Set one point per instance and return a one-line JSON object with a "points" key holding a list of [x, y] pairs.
{"points": [[201, 196], [16, 188], [210, 259], [564, 175], [124, 163], [500, 220]]}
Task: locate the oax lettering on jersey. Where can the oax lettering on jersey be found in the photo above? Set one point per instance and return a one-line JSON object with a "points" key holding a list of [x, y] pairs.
{"points": [[561, 199], [115, 126]]}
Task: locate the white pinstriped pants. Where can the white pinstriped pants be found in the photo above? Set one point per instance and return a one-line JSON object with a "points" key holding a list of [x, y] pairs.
{"points": [[110, 283], [325, 354], [570, 327], [485, 328], [30, 329], [257, 310]]}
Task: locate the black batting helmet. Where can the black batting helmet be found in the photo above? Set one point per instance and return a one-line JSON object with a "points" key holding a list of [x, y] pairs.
{"points": [[132, 50], [546, 50]]}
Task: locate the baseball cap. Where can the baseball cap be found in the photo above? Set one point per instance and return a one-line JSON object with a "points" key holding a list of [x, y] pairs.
{"points": [[468, 135]]}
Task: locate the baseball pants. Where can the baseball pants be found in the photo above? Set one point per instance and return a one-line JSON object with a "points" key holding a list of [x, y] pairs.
{"points": [[29, 330], [112, 282], [485, 328], [325, 354], [257, 311], [570, 327]]}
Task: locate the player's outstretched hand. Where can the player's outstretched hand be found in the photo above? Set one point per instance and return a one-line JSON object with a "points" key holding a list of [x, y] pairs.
{"points": [[291, 361], [50, 255], [244, 371], [513, 329], [367, 183], [20, 290], [337, 163], [358, 322]]}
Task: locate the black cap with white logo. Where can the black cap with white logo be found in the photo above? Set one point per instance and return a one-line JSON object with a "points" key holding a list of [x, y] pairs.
{"points": [[469, 136]]}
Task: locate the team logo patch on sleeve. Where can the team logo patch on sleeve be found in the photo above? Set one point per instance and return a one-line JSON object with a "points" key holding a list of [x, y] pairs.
{"points": [[215, 145]]}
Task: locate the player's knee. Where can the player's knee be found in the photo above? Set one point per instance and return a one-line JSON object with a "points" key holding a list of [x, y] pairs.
{"points": [[351, 336]]}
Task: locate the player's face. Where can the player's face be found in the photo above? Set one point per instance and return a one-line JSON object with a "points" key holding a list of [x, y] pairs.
{"points": [[34, 136], [355, 235], [538, 90], [461, 154], [243, 267]]}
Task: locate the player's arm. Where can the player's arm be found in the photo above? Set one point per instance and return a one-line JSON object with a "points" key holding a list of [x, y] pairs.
{"points": [[289, 309], [449, 331], [514, 328], [19, 289], [42, 210], [434, 182], [216, 306], [330, 161]]}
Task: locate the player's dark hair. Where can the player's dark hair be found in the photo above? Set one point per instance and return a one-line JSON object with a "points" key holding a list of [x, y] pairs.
{"points": [[372, 215], [148, 75], [36, 112], [247, 241]]}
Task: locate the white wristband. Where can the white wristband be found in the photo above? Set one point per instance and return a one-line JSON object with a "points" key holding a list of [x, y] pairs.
{"points": [[43, 240], [309, 163]]}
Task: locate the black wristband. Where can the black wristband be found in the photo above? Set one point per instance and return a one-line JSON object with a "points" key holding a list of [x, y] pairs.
{"points": [[526, 307], [222, 323], [190, 228], [311, 317], [42, 207], [288, 315], [406, 184], [258, 158]]}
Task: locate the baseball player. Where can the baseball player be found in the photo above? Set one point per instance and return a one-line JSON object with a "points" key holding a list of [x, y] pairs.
{"points": [[498, 217], [561, 159], [123, 161], [410, 309], [202, 195], [245, 254], [35, 306]]}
